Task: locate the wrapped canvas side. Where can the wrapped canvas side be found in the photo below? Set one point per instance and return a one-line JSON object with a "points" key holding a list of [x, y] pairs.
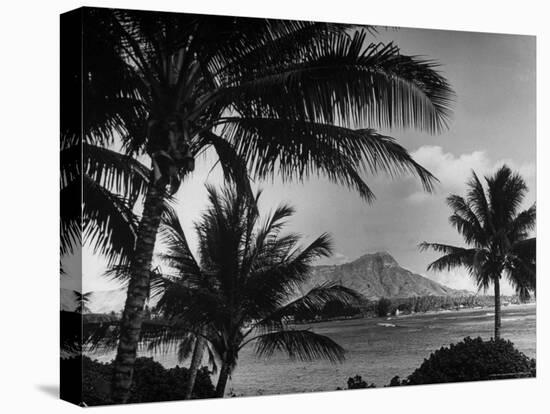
{"points": [[71, 206]]}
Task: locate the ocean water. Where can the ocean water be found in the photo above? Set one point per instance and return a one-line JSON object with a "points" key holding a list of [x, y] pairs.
{"points": [[377, 349]]}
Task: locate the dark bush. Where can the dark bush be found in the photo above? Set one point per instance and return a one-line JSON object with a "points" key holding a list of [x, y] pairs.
{"points": [[357, 382], [473, 360], [151, 382], [335, 309], [383, 307], [405, 307], [395, 382]]}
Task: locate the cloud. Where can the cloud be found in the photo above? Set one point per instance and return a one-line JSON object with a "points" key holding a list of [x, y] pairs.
{"points": [[340, 258], [335, 259], [459, 279], [454, 171]]}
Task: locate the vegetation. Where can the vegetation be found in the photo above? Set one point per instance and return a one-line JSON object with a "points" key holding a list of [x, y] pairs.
{"points": [[336, 309], [498, 234], [357, 382], [268, 97], [468, 360], [331, 310], [242, 288], [403, 306], [473, 360], [383, 307], [416, 304], [152, 382]]}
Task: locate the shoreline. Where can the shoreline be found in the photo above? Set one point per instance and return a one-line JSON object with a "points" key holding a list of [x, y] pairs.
{"points": [[405, 315]]}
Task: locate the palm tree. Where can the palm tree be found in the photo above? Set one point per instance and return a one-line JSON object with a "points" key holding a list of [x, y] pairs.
{"points": [[497, 233], [82, 301], [269, 97], [245, 286]]}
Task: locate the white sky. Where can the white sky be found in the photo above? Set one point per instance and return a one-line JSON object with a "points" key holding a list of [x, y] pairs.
{"points": [[494, 122]]}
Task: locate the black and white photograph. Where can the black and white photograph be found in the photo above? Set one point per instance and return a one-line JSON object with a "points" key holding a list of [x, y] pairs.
{"points": [[258, 206]]}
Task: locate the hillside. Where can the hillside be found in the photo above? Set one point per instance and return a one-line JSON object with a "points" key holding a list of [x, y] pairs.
{"points": [[379, 275]]}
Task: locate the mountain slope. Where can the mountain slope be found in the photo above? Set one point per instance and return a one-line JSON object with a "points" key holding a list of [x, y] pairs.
{"points": [[379, 275]]}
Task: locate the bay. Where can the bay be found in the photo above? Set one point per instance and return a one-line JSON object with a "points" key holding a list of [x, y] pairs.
{"points": [[376, 348]]}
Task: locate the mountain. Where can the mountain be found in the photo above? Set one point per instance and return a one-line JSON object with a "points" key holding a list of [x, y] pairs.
{"points": [[379, 275]]}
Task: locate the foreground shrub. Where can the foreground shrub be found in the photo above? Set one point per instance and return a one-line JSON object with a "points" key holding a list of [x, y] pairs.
{"points": [[468, 360], [357, 382], [473, 360], [151, 381]]}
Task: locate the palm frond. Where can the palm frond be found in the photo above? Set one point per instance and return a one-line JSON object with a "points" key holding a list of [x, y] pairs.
{"points": [[171, 340], [506, 191], [312, 302], [477, 198], [110, 226], [523, 223], [303, 345], [521, 267], [300, 149], [284, 41], [349, 82], [157, 336], [294, 268], [273, 224], [119, 173], [113, 94], [453, 256], [196, 306], [177, 252], [233, 166], [275, 276], [526, 249], [465, 221], [71, 228]]}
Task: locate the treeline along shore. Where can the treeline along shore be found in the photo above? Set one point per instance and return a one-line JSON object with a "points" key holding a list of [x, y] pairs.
{"points": [[368, 308], [384, 307]]}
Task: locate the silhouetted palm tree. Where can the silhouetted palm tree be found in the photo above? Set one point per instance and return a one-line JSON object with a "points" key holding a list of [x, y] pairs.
{"points": [[270, 98], [82, 301], [499, 235], [245, 286]]}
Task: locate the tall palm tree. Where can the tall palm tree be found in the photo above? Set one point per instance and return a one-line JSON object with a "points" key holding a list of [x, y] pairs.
{"points": [[269, 97], [245, 286], [499, 236]]}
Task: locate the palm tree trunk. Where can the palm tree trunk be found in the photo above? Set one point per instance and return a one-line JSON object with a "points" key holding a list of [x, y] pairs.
{"points": [[222, 380], [497, 307], [138, 290], [196, 360]]}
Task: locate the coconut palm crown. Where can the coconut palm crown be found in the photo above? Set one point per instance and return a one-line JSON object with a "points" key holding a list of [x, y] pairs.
{"points": [[245, 286], [498, 234]]}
